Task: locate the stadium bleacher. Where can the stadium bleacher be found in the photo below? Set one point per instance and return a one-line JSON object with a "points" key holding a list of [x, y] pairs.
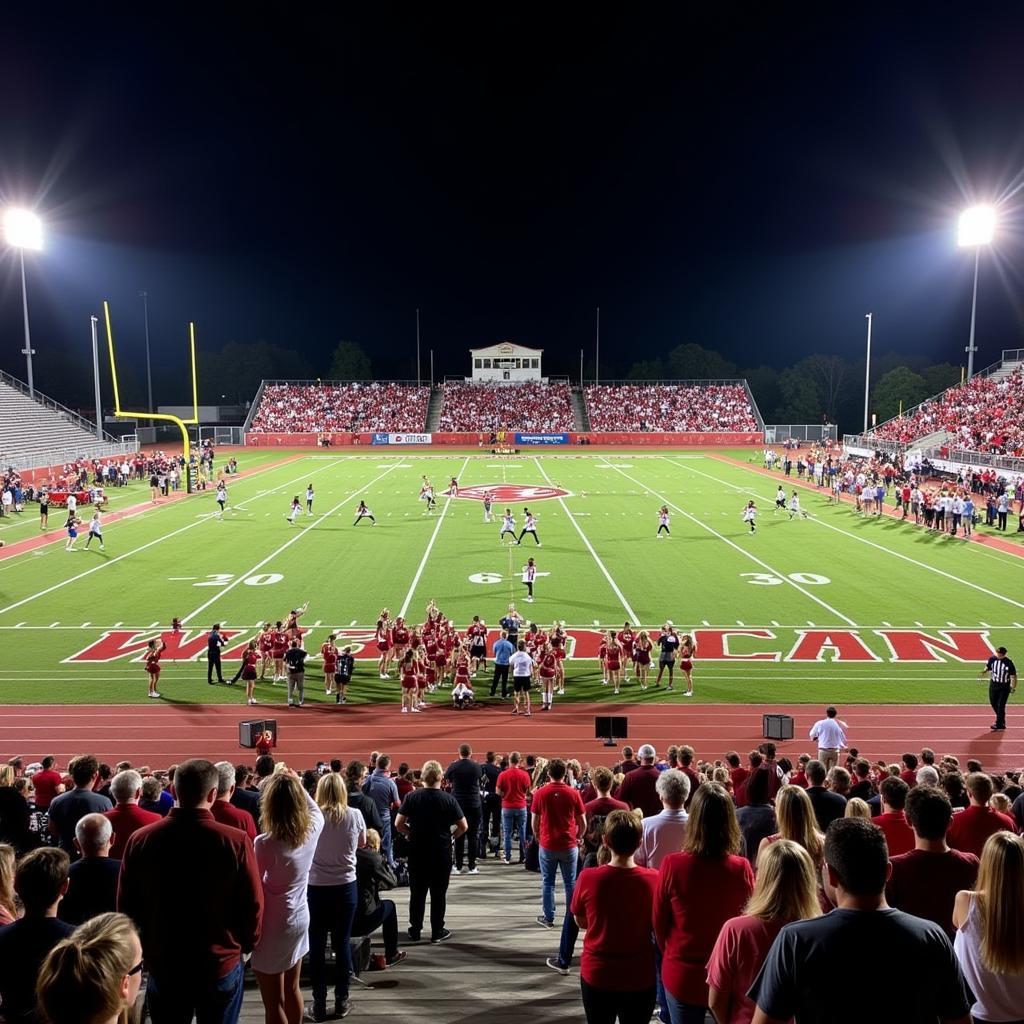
{"points": [[670, 407], [355, 406], [529, 405]]}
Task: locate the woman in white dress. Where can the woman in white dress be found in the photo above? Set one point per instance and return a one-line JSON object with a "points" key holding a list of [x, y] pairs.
{"points": [[284, 855]]}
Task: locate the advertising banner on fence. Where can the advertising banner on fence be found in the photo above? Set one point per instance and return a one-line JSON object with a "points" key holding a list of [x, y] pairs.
{"points": [[542, 438], [401, 438]]}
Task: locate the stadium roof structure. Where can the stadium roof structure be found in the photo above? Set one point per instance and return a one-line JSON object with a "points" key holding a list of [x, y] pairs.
{"points": [[504, 349]]}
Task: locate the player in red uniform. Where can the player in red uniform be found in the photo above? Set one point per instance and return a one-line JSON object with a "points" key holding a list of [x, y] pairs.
{"points": [[278, 646], [250, 659], [642, 648], [265, 642], [153, 653], [626, 638], [383, 637], [547, 667], [410, 683], [687, 652], [329, 652]]}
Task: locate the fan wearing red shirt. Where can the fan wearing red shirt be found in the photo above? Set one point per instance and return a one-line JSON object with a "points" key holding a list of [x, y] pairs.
{"points": [[223, 810], [127, 817], [698, 891], [739, 775], [602, 780], [899, 836], [47, 784], [512, 786], [614, 904], [974, 825], [638, 787], [558, 822], [909, 773]]}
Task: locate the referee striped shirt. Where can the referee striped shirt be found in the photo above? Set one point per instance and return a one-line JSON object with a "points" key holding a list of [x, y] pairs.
{"points": [[1002, 669]]}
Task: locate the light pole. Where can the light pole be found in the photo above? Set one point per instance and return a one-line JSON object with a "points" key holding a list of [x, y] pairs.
{"points": [[867, 373], [96, 377], [23, 230], [977, 228], [149, 373]]}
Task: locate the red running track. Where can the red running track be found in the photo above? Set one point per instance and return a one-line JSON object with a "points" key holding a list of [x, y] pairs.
{"points": [[161, 734]]}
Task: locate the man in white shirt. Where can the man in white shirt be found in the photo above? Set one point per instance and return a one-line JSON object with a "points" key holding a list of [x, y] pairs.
{"points": [[664, 832], [830, 732], [522, 672]]}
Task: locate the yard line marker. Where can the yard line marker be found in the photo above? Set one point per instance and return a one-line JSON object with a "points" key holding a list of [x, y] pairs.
{"points": [[953, 624], [430, 545], [84, 624], [811, 624], [352, 623], [1018, 625], [886, 623], [19, 625], [633, 617], [116, 624], [738, 623], [916, 623], [986, 625], [52, 624], [774, 623], [743, 551], [287, 544], [151, 625], [704, 622]]}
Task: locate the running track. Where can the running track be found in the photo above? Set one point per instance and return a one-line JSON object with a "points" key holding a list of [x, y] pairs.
{"points": [[161, 734]]}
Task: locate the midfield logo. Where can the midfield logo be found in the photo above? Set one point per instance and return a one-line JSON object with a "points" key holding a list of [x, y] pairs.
{"points": [[510, 493]]}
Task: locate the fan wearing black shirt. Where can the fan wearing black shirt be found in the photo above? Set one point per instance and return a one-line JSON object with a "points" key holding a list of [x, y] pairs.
{"points": [[464, 778], [491, 822], [295, 658], [799, 975], [668, 641], [214, 642]]}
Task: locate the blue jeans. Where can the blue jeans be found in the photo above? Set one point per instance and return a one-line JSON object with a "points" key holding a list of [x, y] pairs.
{"points": [[332, 909], [552, 861], [175, 999], [684, 1013], [567, 943], [510, 817]]}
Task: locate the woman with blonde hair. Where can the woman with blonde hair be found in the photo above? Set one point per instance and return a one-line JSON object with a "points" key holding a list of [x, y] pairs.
{"points": [[786, 890], [92, 976], [989, 941], [857, 808], [292, 824], [8, 906], [642, 657], [795, 814], [332, 892]]}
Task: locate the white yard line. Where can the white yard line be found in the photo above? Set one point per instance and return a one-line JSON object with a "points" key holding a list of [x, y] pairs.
{"points": [[287, 544], [633, 617], [430, 544], [764, 565], [863, 540]]}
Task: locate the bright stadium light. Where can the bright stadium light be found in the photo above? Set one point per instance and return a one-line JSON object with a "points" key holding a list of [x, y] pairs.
{"points": [[977, 226], [976, 229], [24, 230]]}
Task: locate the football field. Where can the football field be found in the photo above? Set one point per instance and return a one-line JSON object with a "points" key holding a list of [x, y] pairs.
{"points": [[832, 607]]}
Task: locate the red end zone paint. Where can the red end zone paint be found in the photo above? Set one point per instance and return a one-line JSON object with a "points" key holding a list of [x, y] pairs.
{"points": [[712, 645], [511, 492]]}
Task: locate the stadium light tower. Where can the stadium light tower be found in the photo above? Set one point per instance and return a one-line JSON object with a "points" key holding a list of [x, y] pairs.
{"points": [[977, 228], [23, 230]]}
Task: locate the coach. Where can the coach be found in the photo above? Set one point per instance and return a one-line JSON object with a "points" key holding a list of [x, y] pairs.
{"points": [[503, 651], [1002, 682]]}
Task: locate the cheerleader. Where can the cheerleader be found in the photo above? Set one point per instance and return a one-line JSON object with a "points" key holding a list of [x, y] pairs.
{"points": [[427, 495], [153, 653], [95, 531], [508, 525], [265, 643], [296, 508], [292, 629], [407, 674], [72, 526], [400, 638], [530, 526], [250, 658], [278, 647], [663, 522], [462, 668], [529, 575], [642, 657], [794, 507], [453, 488], [547, 666], [362, 512], [558, 645], [488, 517], [309, 499], [626, 638], [382, 633], [750, 515], [687, 652], [329, 653], [222, 498], [613, 661]]}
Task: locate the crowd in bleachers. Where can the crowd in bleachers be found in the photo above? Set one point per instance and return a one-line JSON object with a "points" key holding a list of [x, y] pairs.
{"points": [[532, 406], [670, 407], [355, 407], [983, 415], [731, 863]]}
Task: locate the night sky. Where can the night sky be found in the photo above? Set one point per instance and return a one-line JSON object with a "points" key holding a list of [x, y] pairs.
{"points": [[753, 178]]}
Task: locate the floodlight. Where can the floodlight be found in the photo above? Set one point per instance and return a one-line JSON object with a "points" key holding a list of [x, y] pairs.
{"points": [[23, 229], [977, 226]]}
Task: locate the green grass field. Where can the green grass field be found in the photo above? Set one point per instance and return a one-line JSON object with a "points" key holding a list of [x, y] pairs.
{"points": [[832, 582]]}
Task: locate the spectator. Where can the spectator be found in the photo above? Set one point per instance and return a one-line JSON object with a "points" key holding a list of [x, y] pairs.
{"points": [[223, 810], [797, 823], [92, 880], [429, 819], [615, 903], [463, 776], [862, 785], [513, 786], [372, 875], [47, 783], [638, 788], [68, 808], [927, 775], [93, 976], [756, 818], [857, 808], [827, 805], [242, 797], [798, 976], [490, 825], [535, 406], [40, 881], [355, 776], [381, 789], [830, 732], [924, 881], [150, 800], [8, 865], [990, 931], [332, 893], [127, 817], [699, 890], [738, 774], [559, 821], [686, 756], [786, 890], [14, 813], [664, 833], [353, 406], [909, 771], [670, 407], [602, 780], [899, 836], [971, 827], [193, 936]]}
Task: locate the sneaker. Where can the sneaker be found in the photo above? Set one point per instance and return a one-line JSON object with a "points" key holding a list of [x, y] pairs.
{"points": [[414, 936], [473, 871], [544, 922], [397, 958], [505, 860], [342, 1009], [415, 711], [528, 714], [456, 870], [689, 693], [405, 711], [290, 704], [312, 1012], [154, 695], [441, 936], [553, 963]]}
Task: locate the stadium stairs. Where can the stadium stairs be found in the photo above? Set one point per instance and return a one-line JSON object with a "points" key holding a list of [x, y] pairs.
{"points": [[434, 409], [39, 431], [579, 409]]}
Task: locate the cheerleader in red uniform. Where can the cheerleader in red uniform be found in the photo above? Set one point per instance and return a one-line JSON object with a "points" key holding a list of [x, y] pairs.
{"points": [[382, 633], [547, 667], [153, 653], [462, 667], [400, 638], [642, 648], [431, 647], [410, 683], [329, 652], [265, 643], [292, 629], [250, 659], [613, 661], [558, 645], [687, 652], [626, 638], [278, 646]]}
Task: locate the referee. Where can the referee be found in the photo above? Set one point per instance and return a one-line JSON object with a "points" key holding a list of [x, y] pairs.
{"points": [[1002, 682]]}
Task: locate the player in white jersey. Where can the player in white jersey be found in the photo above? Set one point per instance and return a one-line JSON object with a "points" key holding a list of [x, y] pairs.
{"points": [[95, 530], [529, 575], [309, 500], [750, 515], [663, 522], [508, 525], [296, 508], [530, 526], [222, 498], [794, 507], [427, 495], [780, 498]]}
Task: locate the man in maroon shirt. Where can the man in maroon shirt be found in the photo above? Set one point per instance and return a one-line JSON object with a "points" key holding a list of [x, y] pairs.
{"points": [[628, 763], [799, 776], [127, 817], [512, 786], [559, 822], [192, 887], [602, 780], [925, 881], [971, 827], [47, 784], [899, 836], [686, 756], [909, 773], [738, 774], [638, 787], [223, 810]]}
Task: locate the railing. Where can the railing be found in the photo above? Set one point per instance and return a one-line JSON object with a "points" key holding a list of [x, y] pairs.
{"points": [[54, 406], [60, 456], [963, 457], [739, 381], [252, 408], [774, 433], [1013, 355], [485, 382], [874, 443]]}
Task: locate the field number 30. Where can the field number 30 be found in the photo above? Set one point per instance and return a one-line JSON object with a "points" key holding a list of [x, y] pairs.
{"points": [[766, 579], [219, 579]]}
